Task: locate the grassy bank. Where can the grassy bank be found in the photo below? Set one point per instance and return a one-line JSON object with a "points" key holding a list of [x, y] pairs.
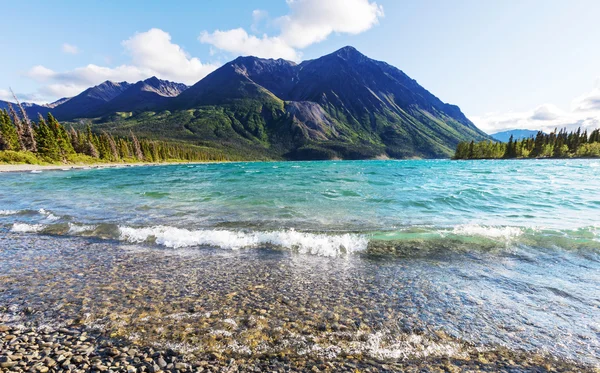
{"points": [[10, 157], [16, 161]]}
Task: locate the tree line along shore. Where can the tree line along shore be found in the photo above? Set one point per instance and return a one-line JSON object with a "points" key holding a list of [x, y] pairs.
{"points": [[46, 141], [557, 144]]}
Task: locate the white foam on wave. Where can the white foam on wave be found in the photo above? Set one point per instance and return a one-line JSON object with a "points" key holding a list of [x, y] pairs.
{"points": [[50, 216], [506, 233], [76, 229], [8, 212], [27, 228], [305, 243]]}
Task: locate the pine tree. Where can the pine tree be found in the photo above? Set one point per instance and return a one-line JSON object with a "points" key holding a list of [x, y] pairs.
{"points": [[124, 151], [61, 135], [90, 148], [74, 137], [111, 146], [18, 127], [511, 148], [46, 140], [137, 150], [8, 133]]}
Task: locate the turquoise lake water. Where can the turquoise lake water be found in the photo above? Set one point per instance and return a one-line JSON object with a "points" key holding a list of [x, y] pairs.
{"points": [[320, 207], [519, 239]]}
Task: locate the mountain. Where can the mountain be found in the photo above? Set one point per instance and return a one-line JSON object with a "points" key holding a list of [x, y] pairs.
{"points": [[89, 103], [58, 102], [32, 110], [504, 136], [143, 96], [342, 105]]}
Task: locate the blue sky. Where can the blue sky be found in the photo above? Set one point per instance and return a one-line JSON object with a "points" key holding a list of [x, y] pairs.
{"points": [[507, 64]]}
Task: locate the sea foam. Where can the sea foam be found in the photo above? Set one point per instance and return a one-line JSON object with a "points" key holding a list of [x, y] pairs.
{"points": [[49, 216], [8, 212], [306, 243], [506, 233], [27, 228], [77, 229]]}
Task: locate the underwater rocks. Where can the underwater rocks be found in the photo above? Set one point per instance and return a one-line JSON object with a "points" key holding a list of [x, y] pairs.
{"points": [[44, 349], [72, 304]]}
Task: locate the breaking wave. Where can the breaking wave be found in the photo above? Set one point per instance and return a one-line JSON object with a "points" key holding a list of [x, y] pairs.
{"points": [[27, 228], [416, 241], [506, 233], [305, 243], [8, 212]]}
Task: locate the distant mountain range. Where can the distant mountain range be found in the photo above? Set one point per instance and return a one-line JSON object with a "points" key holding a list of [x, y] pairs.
{"points": [[504, 136], [31, 109], [342, 105]]}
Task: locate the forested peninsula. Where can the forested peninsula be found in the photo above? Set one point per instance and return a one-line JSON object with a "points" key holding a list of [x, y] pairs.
{"points": [[557, 144], [48, 142]]}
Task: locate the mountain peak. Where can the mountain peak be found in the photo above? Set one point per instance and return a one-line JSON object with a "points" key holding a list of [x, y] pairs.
{"points": [[154, 81], [349, 53], [109, 83]]}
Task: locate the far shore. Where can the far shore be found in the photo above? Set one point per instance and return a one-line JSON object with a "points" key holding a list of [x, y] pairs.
{"points": [[66, 167]]}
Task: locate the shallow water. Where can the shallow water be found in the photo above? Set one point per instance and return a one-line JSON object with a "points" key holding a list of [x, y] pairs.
{"points": [[488, 253]]}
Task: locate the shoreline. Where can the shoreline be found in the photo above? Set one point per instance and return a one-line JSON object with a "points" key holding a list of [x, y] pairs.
{"points": [[102, 306], [25, 167], [76, 348]]}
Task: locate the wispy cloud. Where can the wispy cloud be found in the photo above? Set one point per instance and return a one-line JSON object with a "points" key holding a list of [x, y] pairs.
{"points": [[308, 22], [584, 112], [69, 48], [5, 95], [152, 53]]}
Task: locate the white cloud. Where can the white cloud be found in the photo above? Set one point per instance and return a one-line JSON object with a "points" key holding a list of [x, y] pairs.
{"points": [[589, 101], [239, 41], [547, 112], [584, 112], [69, 48], [154, 51], [312, 21], [152, 54], [308, 22], [5, 95], [258, 16]]}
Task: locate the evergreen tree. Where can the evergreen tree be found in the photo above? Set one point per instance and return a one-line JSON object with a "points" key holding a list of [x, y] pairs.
{"points": [[47, 146], [9, 139], [18, 126], [538, 145], [90, 148], [111, 146], [62, 137], [511, 148], [137, 150]]}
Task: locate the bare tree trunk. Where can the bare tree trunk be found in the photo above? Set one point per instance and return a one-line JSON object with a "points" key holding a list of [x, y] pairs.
{"points": [[28, 136], [137, 149]]}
